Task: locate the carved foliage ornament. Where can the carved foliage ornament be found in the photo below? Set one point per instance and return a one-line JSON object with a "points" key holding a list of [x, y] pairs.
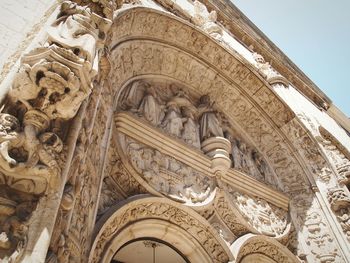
{"points": [[340, 204]]}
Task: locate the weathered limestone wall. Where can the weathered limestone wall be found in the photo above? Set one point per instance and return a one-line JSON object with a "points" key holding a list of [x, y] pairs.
{"points": [[19, 19]]}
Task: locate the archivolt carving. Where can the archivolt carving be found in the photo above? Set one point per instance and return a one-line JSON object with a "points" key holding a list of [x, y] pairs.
{"points": [[251, 244], [158, 208], [193, 120], [339, 156], [238, 92], [319, 239], [259, 130]]}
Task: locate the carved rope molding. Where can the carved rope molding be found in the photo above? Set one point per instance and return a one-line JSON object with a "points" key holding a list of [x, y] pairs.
{"points": [[47, 92]]}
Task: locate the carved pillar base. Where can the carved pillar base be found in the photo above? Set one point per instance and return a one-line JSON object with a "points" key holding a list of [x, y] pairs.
{"points": [[218, 148]]}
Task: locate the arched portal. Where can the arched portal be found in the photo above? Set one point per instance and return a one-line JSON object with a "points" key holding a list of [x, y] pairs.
{"points": [[148, 250], [148, 217]]}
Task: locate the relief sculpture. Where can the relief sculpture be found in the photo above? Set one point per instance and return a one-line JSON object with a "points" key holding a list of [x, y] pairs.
{"points": [[340, 204], [264, 217], [167, 175], [195, 121]]}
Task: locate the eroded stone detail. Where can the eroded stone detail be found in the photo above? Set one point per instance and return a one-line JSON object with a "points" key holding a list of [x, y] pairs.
{"points": [[318, 238], [15, 211], [340, 204], [264, 217], [206, 20]]}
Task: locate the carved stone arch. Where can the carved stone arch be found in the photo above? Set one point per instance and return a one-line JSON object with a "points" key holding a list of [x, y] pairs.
{"points": [[261, 249], [138, 49], [142, 43], [155, 217]]}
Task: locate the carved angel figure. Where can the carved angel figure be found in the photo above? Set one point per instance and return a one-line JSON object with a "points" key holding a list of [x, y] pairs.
{"points": [[209, 123]]}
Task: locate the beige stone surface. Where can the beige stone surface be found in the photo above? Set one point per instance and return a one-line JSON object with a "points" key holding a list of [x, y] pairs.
{"points": [[17, 22], [136, 120]]}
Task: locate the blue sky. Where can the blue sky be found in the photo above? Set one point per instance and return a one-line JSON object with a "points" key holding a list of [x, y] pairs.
{"points": [[314, 34]]}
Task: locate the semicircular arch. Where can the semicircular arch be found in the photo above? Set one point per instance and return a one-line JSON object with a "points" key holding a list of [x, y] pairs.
{"points": [[160, 218]]}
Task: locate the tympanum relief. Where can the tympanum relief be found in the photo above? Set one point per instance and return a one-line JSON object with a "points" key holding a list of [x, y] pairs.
{"points": [[167, 175], [194, 120]]}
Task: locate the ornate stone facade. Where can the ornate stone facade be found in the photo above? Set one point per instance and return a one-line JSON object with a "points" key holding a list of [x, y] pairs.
{"points": [[137, 120]]}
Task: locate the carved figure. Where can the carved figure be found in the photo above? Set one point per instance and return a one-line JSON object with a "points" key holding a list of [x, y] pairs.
{"points": [[209, 123], [190, 133], [207, 20], [239, 152], [150, 108], [9, 136], [263, 168], [133, 95], [173, 121]]}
